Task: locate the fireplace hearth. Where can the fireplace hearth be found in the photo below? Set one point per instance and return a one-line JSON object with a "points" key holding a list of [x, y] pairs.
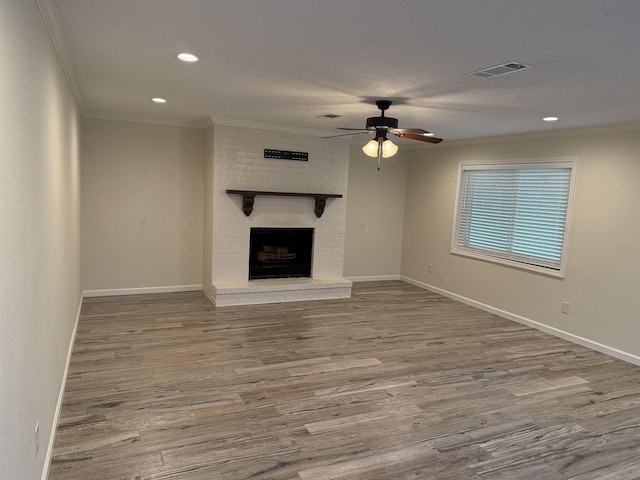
{"points": [[280, 252]]}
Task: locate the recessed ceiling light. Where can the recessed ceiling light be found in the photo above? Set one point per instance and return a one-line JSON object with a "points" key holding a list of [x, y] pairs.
{"points": [[188, 57], [550, 119], [158, 100]]}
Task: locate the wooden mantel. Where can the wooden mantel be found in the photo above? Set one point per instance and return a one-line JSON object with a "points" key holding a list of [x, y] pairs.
{"points": [[248, 196]]}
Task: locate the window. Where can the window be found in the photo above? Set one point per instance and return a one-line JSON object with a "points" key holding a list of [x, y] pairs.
{"points": [[517, 213]]}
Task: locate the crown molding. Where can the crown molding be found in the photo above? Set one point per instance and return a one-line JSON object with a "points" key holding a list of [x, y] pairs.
{"points": [[50, 18], [207, 123]]}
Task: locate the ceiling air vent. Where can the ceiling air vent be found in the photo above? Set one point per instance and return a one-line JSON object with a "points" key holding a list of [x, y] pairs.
{"points": [[500, 70]]}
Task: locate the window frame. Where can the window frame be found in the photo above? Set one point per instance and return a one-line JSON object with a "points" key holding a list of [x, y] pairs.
{"points": [[471, 252]]}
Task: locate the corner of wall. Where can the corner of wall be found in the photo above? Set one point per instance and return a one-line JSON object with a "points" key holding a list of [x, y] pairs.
{"points": [[207, 241]]}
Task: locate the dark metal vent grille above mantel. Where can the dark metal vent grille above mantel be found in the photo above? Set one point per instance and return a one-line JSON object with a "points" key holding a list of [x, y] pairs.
{"points": [[248, 197]]}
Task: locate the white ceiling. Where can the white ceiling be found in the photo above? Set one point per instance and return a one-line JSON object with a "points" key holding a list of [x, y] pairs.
{"points": [[287, 62]]}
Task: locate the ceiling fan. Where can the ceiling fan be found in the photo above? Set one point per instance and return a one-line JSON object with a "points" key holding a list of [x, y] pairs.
{"points": [[380, 146]]}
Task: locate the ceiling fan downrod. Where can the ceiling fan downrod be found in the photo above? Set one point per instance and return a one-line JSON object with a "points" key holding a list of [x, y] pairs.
{"points": [[383, 105]]}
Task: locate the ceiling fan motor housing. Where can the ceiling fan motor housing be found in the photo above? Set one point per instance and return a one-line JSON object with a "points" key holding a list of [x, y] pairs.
{"points": [[377, 122]]}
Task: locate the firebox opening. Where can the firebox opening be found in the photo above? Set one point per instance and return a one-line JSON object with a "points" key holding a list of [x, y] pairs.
{"points": [[280, 252]]}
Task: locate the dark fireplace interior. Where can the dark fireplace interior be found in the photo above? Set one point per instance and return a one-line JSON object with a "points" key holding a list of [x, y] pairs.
{"points": [[280, 252]]}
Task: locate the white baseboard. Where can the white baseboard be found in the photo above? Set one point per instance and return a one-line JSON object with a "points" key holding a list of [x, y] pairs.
{"points": [[141, 290], [585, 342], [56, 416], [376, 278]]}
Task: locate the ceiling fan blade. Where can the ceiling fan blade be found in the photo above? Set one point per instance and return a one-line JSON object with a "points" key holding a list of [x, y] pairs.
{"points": [[350, 134], [404, 131], [421, 138], [355, 129]]}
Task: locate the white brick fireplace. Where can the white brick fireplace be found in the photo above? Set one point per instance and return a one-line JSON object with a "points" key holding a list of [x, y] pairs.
{"points": [[235, 161]]}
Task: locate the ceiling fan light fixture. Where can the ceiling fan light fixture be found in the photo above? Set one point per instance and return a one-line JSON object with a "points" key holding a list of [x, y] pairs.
{"points": [[380, 147], [371, 148], [389, 149]]}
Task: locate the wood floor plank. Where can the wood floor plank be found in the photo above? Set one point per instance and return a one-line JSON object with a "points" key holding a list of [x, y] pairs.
{"points": [[396, 383], [361, 466]]}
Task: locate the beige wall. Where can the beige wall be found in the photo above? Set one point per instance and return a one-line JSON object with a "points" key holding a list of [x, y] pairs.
{"points": [[603, 277], [40, 283], [133, 171], [375, 215]]}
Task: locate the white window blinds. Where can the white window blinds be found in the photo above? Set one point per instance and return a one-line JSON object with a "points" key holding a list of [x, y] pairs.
{"points": [[515, 213]]}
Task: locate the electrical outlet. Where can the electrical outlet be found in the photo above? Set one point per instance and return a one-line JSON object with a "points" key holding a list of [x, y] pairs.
{"points": [[565, 308], [142, 222], [37, 438]]}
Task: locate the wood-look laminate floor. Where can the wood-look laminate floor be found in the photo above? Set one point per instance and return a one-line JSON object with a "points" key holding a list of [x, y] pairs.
{"points": [[394, 383]]}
